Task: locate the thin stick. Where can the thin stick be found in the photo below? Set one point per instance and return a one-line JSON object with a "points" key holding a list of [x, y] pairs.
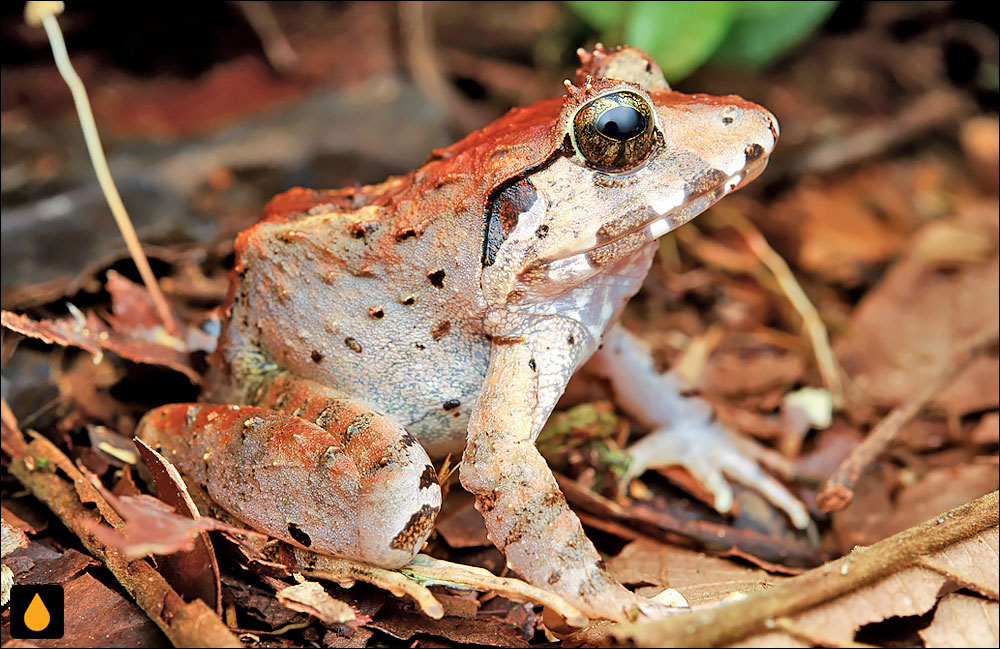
{"points": [[186, 624], [45, 12], [838, 492], [277, 49], [829, 368], [757, 613]]}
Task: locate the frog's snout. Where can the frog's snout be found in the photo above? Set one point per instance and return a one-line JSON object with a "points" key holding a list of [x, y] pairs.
{"points": [[775, 127]]}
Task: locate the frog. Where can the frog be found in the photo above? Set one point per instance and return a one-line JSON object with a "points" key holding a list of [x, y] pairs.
{"points": [[373, 329]]}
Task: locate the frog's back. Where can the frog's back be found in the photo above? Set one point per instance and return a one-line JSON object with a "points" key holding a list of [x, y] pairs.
{"points": [[356, 300]]}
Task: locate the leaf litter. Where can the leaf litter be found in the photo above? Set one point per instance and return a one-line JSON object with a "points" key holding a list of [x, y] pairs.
{"points": [[899, 257]]}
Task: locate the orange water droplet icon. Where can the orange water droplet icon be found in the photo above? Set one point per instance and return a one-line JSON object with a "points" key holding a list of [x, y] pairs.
{"points": [[36, 616]]}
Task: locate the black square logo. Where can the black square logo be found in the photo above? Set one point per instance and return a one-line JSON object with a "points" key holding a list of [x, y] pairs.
{"points": [[36, 612]]}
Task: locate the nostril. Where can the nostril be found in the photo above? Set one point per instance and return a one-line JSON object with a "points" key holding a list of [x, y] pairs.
{"points": [[730, 114]]}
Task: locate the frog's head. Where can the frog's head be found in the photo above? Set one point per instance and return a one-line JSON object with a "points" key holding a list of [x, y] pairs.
{"points": [[636, 161]]}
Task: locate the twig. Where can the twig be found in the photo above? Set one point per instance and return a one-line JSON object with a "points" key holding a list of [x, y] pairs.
{"points": [[44, 14], [721, 538], [186, 624], [345, 572], [929, 111], [418, 45], [265, 24], [758, 612], [829, 368], [431, 571], [838, 491]]}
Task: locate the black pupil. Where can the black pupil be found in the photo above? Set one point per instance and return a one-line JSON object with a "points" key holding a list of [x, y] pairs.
{"points": [[621, 123]]}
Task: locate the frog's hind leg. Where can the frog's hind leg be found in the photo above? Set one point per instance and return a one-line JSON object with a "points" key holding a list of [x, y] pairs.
{"points": [[684, 430], [328, 474]]}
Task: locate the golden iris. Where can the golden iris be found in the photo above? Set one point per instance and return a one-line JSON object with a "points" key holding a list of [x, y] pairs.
{"points": [[615, 131]]}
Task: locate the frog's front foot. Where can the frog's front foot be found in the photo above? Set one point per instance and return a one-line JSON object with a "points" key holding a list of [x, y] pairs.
{"points": [[710, 455], [685, 432]]}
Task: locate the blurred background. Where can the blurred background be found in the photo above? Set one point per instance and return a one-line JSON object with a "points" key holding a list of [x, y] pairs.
{"points": [[207, 113]]}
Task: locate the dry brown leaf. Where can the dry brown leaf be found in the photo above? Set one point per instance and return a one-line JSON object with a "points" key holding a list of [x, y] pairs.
{"points": [[11, 538], [844, 231], [91, 334], [830, 603], [462, 526], [309, 597], [936, 491], [913, 591], [97, 616], [153, 527], [752, 371], [888, 349], [963, 621], [972, 564], [701, 579], [482, 630]]}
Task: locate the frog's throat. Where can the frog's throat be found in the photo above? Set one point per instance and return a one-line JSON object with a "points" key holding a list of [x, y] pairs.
{"points": [[669, 212]]}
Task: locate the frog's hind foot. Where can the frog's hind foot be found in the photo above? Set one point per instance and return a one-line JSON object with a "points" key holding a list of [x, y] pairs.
{"points": [[335, 477]]}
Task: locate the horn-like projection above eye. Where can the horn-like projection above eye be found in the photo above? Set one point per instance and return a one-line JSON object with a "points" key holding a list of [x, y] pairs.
{"points": [[614, 132]]}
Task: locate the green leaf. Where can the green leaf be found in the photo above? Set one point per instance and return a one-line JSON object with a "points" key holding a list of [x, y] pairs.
{"points": [[679, 35], [606, 17], [762, 31]]}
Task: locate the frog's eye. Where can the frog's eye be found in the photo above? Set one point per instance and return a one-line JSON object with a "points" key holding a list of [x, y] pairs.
{"points": [[614, 131]]}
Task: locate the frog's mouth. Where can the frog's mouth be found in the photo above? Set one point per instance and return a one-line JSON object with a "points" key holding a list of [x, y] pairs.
{"points": [[663, 214]]}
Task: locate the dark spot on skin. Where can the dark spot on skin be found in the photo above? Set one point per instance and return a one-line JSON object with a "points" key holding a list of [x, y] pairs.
{"points": [[436, 278], [542, 231], [406, 234], [441, 330], [352, 344], [407, 440], [515, 535], [552, 498], [554, 577], [376, 312], [571, 340], [451, 404], [601, 564], [428, 478], [300, 537], [487, 502], [727, 120], [502, 213], [362, 230], [358, 425], [705, 182], [333, 409], [753, 152], [410, 300], [531, 364], [317, 357], [514, 296], [420, 346], [508, 340], [415, 529], [330, 455], [498, 153]]}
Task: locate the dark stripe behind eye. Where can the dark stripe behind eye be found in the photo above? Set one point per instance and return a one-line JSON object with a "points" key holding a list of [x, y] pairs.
{"points": [[502, 213]]}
